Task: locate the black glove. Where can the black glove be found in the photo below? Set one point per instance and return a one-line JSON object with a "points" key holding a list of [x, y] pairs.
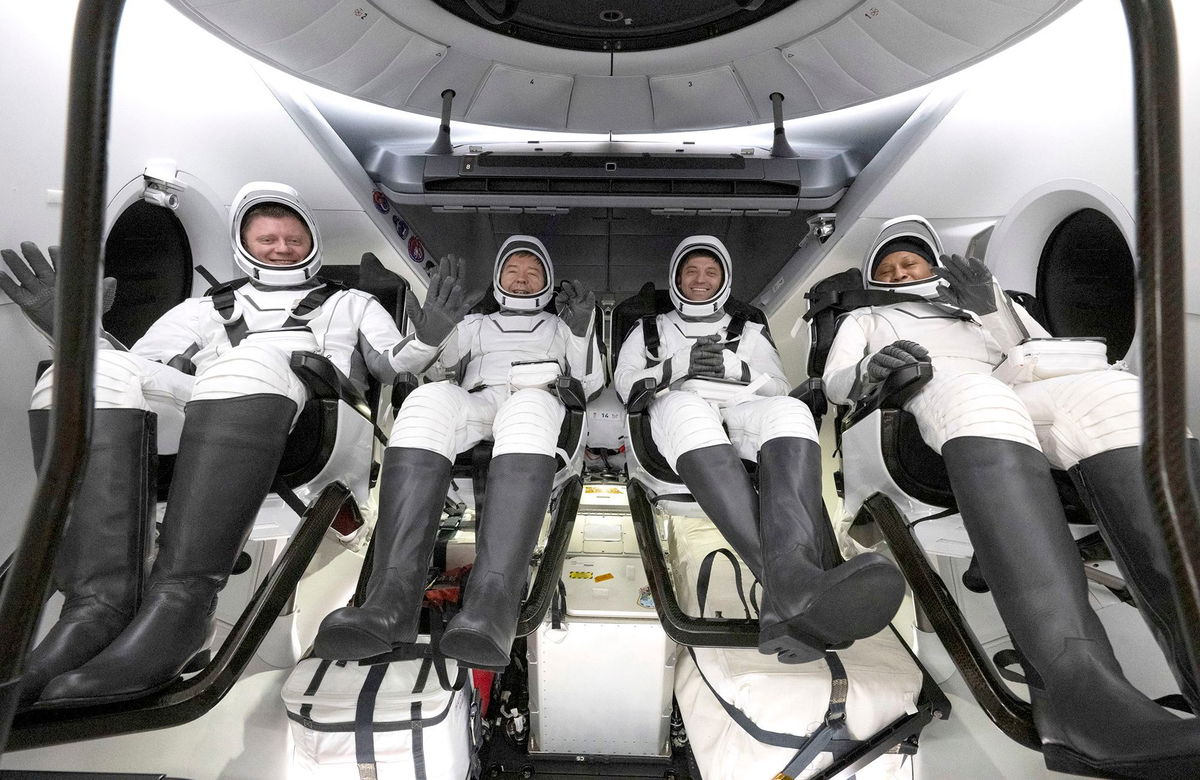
{"points": [[893, 357], [33, 289], [706, 358], [444, 304], [970, 284], [575, 305]]}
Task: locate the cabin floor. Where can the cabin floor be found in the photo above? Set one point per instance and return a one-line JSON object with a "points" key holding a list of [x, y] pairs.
{"points": [[246, 735]]}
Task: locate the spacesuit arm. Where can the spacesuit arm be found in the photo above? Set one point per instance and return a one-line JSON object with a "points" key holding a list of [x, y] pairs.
{"points": [[583, 358], [181, 331], [386, 352], [845, 368], [757, 357]]}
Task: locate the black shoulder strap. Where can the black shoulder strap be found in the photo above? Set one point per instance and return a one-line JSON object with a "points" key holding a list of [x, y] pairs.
{"points": [[737, 324], [650, 339], [313, 301], [224, 300]]}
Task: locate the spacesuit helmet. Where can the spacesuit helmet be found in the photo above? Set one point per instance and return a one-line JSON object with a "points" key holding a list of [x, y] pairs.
{"points": [[523, 302], [689, 247], [905, 234], [266, 198]]}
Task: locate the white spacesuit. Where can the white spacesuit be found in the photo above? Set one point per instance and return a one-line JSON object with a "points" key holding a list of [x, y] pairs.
{"points": [[809, 604], [212, 375], [505, 363], [999, 440]]}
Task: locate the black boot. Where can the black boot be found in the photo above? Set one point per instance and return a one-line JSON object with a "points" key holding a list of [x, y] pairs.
{"points": [[1090, 719], [481, 635], [806, 608], [810, 597], [412, 491], [101, 562], [1112, 485], [228, 454]]}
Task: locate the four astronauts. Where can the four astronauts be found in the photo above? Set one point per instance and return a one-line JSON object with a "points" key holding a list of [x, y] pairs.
{"points": [[211, 381]]}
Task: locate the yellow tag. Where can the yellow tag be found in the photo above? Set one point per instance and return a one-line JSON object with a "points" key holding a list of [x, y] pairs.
{"points": [[602, 577], [782, 776], [581, 575]]}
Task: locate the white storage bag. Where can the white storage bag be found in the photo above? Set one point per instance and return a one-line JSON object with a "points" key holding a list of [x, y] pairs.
{"points": [[403, 719]]}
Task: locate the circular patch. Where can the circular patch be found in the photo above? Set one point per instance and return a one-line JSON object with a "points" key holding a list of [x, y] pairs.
{"points": [[416, 250], [401, 226], [381, 202]]}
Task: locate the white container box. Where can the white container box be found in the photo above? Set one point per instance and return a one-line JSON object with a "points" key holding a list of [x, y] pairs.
{"points": [[600, 684]]}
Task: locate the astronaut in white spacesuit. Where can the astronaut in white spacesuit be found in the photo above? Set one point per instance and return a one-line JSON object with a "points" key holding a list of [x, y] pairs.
{"points": [[505, 363], [999, 442], [809, 604], [211, 381]]}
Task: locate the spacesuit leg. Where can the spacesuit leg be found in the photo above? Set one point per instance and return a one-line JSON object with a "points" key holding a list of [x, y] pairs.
{"points": [[435, 423], [811, 600], [1088, 716], [243, 405], [101, 560], [1090, 424], [520, 478]]}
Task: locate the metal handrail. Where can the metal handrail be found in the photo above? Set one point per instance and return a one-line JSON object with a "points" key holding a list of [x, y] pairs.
{"points": [[1154, 50], [75, 330]]}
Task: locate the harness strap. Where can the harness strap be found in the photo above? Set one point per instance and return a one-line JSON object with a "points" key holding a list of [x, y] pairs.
{"points": [[224, 300], [650, 340], [705, 574], [305, 310], [364, 718]]}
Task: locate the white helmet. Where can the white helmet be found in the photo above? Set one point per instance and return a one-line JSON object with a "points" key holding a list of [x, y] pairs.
{"points": [[258, 193], [711, 245], [534, 301], [905, 234]]}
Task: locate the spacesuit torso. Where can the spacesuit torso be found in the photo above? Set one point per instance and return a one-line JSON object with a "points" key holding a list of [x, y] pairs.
{"points": [[485, 346], [677, 333], [350, 328], [958, 342]]}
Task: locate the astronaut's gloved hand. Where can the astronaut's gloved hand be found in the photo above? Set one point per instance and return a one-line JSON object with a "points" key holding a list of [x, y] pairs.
{"points": [[970, 284], [33, 287], [893, 357], [576, 305], [444, 305], [705, 358]]}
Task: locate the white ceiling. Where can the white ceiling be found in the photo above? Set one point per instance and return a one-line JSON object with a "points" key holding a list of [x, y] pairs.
{"points": [[821, 55]]}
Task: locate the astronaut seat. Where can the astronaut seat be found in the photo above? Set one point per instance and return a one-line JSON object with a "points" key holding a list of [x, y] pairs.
{"points": [[468, 494], [709, 600], [897, 488]]}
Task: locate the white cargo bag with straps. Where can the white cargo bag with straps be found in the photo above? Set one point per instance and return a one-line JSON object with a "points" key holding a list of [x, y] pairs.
{"points": [[404, 719]]}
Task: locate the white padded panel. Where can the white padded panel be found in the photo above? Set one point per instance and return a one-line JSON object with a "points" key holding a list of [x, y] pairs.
{"points": [[458, 71], [368, 58], [596, 99], [767, 72], [512, 96], [927, 49], [324, 40], [835, 53], [861, 57], [824, 75], [396, 82], [981, 22], [254, 23], [711, 98]]}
